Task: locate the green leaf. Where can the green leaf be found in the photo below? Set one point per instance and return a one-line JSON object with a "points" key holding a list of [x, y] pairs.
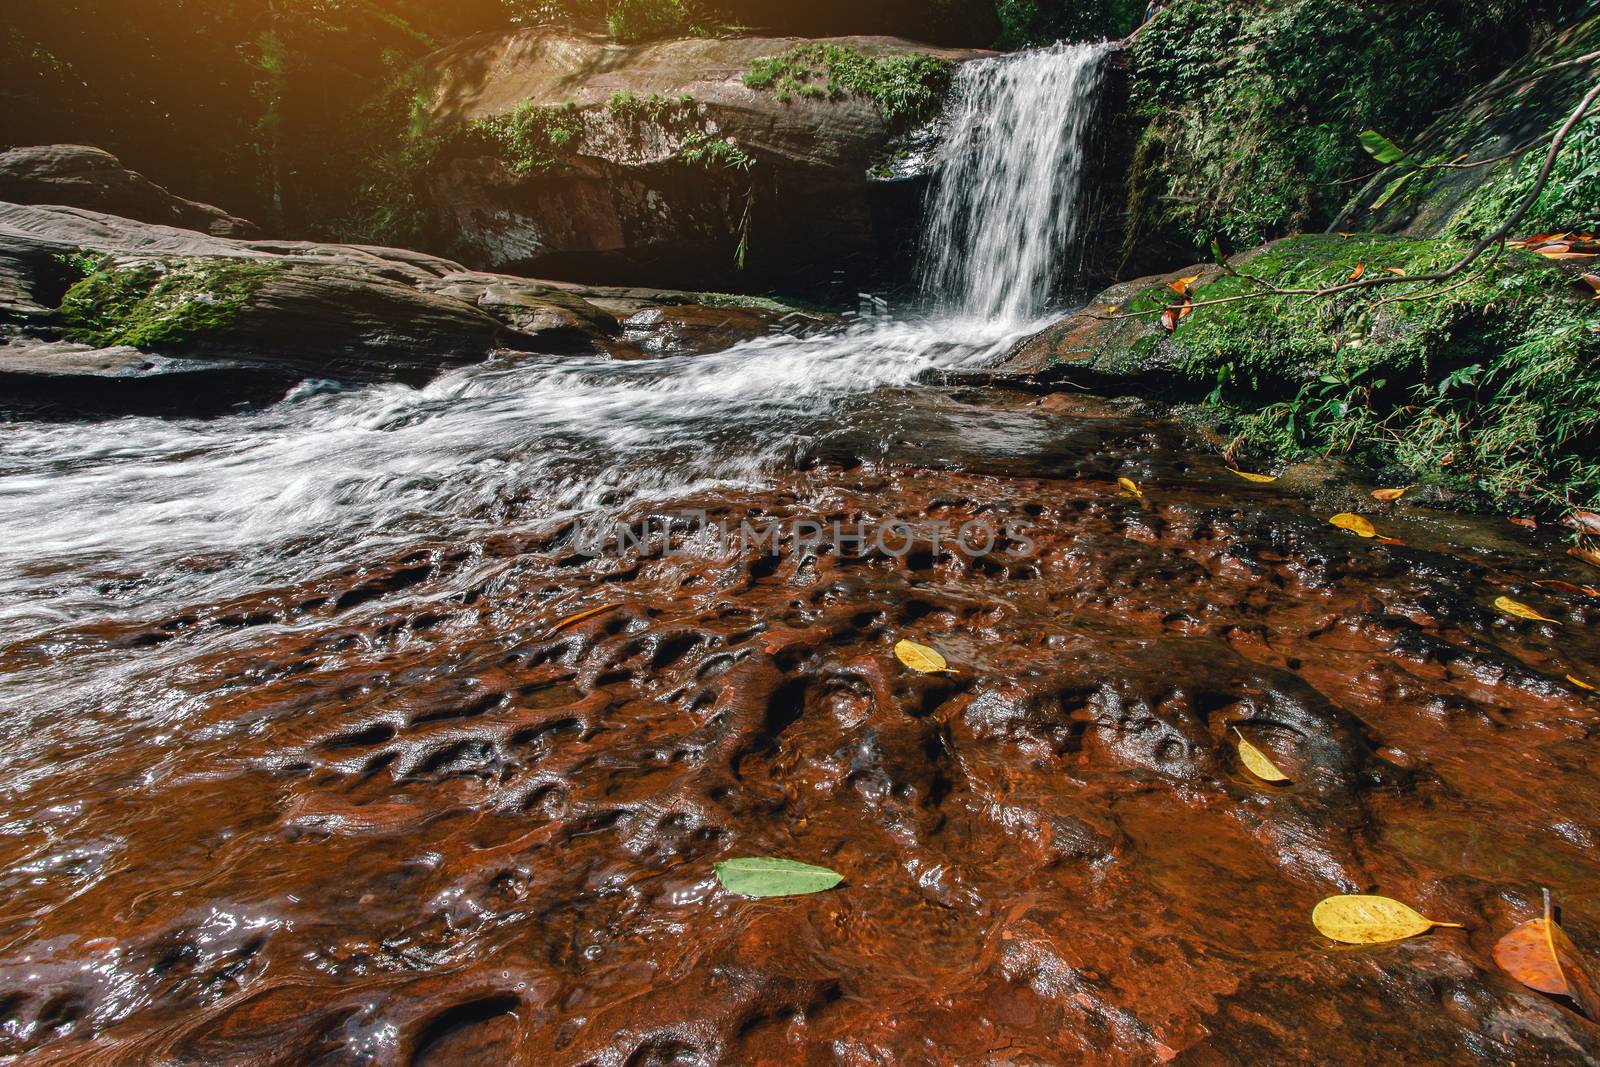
{"points": [[1381, 148], [1394, 187], [768, 876]]}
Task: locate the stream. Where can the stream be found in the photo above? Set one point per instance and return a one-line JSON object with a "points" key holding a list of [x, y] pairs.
{"points": [[306, 763]]}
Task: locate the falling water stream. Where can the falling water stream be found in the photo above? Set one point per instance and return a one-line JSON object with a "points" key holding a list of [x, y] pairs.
{"points": [[325, 743]]}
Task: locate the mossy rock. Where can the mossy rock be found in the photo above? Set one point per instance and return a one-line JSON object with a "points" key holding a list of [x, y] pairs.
{"points": [[167, 303]]}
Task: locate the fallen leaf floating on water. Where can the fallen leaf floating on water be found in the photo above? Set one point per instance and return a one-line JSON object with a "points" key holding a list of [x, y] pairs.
{"points": [[1388, 495], [1257, 761], [1259, 479], [1568, 587], [1581, 684], [769, 876], [1526, 524], [1354, 523], [1357, 274], [1519, 609], [572, 620], [1540, 956], [1368, 920], [1586, 521], [920, 658], [1591, 558], [1130, 487]]}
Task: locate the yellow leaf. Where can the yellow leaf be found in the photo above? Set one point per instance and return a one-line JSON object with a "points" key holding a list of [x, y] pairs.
{"points": [[1112, 309], [1519, 609], [1369, 920], [920, 658], [1130, 486], [1354, 523], [1262, 479], [1580, 683], [1257, 762], [1387, 495]]}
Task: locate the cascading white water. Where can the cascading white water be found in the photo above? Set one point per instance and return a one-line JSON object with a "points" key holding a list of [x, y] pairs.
{"points": [[102, 520], [1005, 210]]}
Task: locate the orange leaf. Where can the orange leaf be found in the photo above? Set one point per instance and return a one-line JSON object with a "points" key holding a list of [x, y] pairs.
{"points": [[572, 620], [1184, 311], [1388, 494], [1593, 282], [1169, 319], [1568, 587], [1580, 683], [1526, 524], [1591, 558], [1355, 275], [1396, 271], [1347, 236], [1182, 285], [1540, 956]]}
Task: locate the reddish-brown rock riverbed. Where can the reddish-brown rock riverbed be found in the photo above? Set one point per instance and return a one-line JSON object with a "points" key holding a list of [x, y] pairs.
{"points": [[389, 813]]}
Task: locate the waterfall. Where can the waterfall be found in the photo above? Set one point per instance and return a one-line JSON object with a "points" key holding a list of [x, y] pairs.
{"points": [[1005, 210]]}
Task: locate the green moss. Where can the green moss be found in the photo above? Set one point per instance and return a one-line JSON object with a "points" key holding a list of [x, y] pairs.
{"points": [[148, 304], [1491, 386], [907, 87]]}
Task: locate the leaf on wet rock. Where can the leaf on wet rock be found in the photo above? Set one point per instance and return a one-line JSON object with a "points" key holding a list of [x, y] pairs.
{"points": [[770, 876], [1591, 558], [1182, 286], [1539, 954], [1369, 920], [1354, 523], [1586, 521], [1519, 609], [1526, 524], [1257, 761], [1388, 495], [1581, 684], [573, 620], [1259, 479], [1130, 487], [920, 658]]}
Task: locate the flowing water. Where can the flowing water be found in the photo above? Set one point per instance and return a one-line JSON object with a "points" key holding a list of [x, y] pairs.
{"points": [[302, 765]]}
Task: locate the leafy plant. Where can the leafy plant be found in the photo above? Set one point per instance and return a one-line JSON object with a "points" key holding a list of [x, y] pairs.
{"points": [[534, 137], [906, 88]]}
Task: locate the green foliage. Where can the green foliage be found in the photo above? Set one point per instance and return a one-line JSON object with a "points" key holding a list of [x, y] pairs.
{"points": [[149, 304], [1492, 386], [534, 137], [401, 149], [1252, 112], [907, 88], [638, 20], [714, 152], [661, 110], [1027, 23]]}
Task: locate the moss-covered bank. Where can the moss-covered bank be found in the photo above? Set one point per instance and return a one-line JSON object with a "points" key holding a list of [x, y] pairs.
{"points": [[1488, 384]]}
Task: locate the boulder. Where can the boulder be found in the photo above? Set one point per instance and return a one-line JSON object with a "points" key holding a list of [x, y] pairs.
{"points": [[819, 198], [100, 308], [81, 176]]}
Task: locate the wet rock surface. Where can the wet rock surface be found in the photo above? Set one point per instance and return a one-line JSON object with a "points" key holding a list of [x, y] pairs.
{"points": [[395, 813]]}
